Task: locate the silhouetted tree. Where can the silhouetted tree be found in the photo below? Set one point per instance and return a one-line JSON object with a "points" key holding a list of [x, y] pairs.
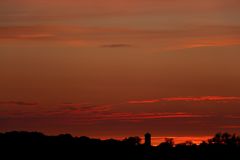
{"points": [[35, 145], [134, 141], [169, 143]]}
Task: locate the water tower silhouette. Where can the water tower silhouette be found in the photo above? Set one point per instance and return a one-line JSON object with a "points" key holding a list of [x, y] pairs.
{"points": [[147, 139]]}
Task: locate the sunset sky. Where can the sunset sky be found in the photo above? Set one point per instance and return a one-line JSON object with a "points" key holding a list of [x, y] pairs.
{"points": [[111, 68]]}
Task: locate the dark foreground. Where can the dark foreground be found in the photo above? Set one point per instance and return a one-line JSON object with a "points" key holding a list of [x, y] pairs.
{"points": [[34, 145]]}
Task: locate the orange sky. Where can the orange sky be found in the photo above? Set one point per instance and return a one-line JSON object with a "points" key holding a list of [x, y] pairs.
{"points": [[108, 68]]}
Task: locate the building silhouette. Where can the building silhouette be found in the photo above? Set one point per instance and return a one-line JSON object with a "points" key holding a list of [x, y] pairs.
{"points": [[147, 139]]}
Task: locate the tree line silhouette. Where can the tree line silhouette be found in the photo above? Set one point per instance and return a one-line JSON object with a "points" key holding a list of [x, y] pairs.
{"points": [[35, 145]]}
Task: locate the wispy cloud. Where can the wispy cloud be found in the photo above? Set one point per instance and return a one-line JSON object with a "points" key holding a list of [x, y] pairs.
{"points": [[147, 116], [204, 98], [87, 113], [208, 42], [115, 37], [73, 104], [187, 99], [233, 116], [231, 127], [97, 113], [26, 33], [82, 108], [144, 101], [191, 37], [21, 103], [116, 45]]}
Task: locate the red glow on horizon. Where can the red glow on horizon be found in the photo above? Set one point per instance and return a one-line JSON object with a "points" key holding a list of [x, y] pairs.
{"points": [[179, 139], [156, 140]]}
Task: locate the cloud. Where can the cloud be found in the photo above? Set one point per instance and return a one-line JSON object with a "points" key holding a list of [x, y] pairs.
{"points": [[85, 113], [83, 108], [21, 103], [73, 104], [26, 33], [187, 99], [69, 35], [204, 98], [233, 116], [46, 33], [34, 36], [209, 42], [133, 117], [161, 39], [96, 109], [116, 45], [148, 116], [143, 101], [231, 127]]}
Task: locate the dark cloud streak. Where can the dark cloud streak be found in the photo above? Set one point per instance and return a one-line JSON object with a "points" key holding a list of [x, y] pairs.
{"points": [[116, 45], [21, 103]]}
